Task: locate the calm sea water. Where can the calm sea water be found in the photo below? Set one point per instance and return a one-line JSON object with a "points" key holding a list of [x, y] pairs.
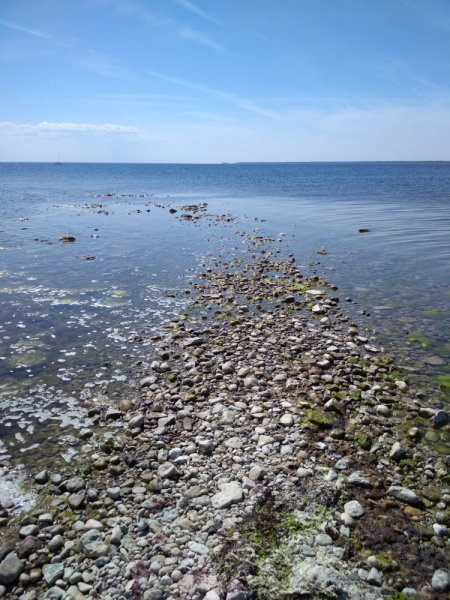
{"points": [[64, 317]]}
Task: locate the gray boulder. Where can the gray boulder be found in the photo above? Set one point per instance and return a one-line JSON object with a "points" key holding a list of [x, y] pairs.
{"points": [[92, 544], [10, 568]]}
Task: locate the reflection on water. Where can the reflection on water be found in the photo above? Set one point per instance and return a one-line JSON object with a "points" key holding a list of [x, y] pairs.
{"points": [[71, 326]]}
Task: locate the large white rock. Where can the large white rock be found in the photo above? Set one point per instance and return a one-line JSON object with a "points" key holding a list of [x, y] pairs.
{"points": [[231, 493], [354, 509], [441, 580], [403, 494]]}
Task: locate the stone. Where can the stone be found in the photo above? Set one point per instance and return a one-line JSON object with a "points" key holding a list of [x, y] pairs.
{"points": [[206, 447], [212, 595], [30, 545], [85, 433], [402, 385], [236, 595], [235, 443], [323, 539], [168, 471], [52, 573], [404, 494], [56, 543], [397, 451], [440, 419], [441, 580], [93, 524], [354, 509], [175, 453], [409, 591], [76, 501], [263, 440], [287, 420], [227, 417], [75, 485], [198, 548], [357, 479], [257, 473], [439, 529], [10, 568], [248, 484], [28, 530], [113, 493], [231, 493], [250, 382], [55, 593], [193, 492], [92, 544], [42, 478], [342, 464], [375, 577]]}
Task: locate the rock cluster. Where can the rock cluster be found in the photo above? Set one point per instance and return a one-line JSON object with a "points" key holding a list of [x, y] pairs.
{"points": [[264, 453]]}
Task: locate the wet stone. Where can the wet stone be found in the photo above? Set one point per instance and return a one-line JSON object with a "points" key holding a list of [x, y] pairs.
{"points": [[10, 568], [76, 501]]}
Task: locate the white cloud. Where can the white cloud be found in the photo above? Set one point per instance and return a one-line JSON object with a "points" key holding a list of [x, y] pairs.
{"points": [[25, 129]]}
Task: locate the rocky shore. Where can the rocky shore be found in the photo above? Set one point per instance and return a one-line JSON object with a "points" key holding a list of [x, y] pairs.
{"points": [[269, 451]]}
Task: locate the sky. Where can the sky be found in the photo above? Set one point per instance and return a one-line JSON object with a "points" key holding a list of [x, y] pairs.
{"points": [[211, 81]]}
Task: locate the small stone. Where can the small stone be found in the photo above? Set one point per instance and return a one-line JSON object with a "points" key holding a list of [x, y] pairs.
{"points": [[92, 544], [375, 577], [198, 548], [76, 501], [409, 591], [403, 494], [85, 434], [56, 543], [30, 545], [354, 509], [287, 420], [397, 451], [236, 595], [212, 595], [93, 524], [440, 419], [176, 576], [227, 417], [402, 385], [42, 478], [357, 479], [235, 443], [53, 572], [342, 464], [28, 530], [323, 539], [441, 580], [10, 568], [168, 471], [137, 421], [439, 529], [116, 535], [263, 440], [257, 473], [113, 493], [206, 447], [174, 453], [75, 485], [230, 493]]}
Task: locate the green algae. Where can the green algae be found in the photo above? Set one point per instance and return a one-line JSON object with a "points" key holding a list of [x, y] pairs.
{"points": [[364, 441], [316, 419]]}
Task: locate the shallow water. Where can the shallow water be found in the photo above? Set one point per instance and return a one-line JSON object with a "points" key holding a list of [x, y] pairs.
{"points": [[64, 317]]}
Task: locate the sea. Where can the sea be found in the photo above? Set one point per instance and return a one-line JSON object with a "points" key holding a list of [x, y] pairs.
{"points": [[72, 313]]}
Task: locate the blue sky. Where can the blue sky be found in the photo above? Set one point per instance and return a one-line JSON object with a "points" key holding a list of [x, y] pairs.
{"points": [[224, 80]]}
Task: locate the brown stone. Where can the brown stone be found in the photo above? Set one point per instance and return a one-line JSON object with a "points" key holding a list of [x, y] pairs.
{"points": [[413, 512], [30, 545], [76, 501]]}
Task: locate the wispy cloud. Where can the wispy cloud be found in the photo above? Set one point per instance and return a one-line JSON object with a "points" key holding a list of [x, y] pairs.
{"points": [[52, 128], [218, 95], [198, 11], [34, 33], [196, 36], [99, 63]]}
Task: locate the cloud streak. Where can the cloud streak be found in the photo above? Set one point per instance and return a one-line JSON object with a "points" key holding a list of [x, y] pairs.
{"points": [[218, 95], [33, 32], [201, 13], [52, 128]]}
